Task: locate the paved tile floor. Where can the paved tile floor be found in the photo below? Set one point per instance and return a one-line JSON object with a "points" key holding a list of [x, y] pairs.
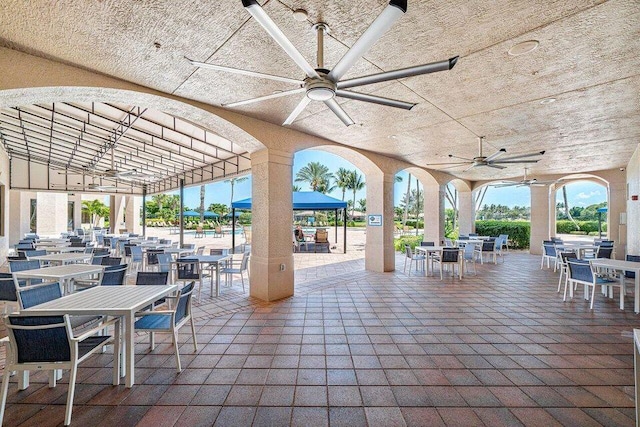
{"points": [[360, 348]]}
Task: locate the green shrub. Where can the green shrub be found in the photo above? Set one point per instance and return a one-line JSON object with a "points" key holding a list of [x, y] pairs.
{"points": [[412, 241], [568, 227], [519, 231], [244, 218], [411, 223]]}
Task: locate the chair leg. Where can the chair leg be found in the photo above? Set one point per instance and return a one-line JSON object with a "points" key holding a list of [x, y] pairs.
{"points": [[193, 333], [5, 390], [242, 279], [72, 388], [593, 296], [116, 354], [152, 341], [560, 278], [175, 344]]}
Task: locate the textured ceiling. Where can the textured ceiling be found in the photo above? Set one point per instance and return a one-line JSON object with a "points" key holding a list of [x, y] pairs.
{"points": [[587, 60]]}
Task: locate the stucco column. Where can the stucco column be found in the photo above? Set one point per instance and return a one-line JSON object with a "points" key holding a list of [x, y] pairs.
{"points": [[52, 213], [133, 207], [116, 214], [434, 213], [466, 212], [379, 251], [19, 210], [617, 204], [553, 195], [539, 218], [77, 209], [271, 225]]}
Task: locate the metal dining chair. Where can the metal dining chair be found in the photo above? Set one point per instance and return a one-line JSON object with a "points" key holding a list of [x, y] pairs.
{"points": [[236, 268], [8, 295], [412, 257], [581, 273], [170, 320], [49, 343]]}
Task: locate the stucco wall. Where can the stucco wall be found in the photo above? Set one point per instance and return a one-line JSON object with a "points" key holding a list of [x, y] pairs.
{"points": [[4, 209], [633, 206]]}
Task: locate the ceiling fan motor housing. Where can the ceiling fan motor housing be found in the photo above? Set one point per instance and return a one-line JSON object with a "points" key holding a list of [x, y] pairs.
{"points": [[321, 88]]}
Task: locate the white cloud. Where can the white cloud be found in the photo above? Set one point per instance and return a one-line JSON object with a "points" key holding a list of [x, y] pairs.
{"points": [[583, 195]]}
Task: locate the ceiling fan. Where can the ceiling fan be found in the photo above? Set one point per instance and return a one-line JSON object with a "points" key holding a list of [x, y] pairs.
{"points": [[92, 186], [493, 161], [321, 84], [524, 182]]}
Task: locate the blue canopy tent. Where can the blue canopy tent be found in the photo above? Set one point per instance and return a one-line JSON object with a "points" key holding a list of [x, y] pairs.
{"points": [[303, 201], [194, 214]]}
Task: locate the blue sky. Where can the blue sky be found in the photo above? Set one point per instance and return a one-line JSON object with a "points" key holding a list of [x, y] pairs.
{"points": [[579, 193]]}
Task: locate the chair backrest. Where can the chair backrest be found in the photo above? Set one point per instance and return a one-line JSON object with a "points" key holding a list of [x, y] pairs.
{"points": [[247, 237], [109, 260], [580, 271], [407, 251], [549, 250], [183, 307], [39, 294], [473, 234], [427, 243], [97, 259], [35, 253], [189, 246], [127, 249], [633, 258], [188, 269], [200, 250], [24, 247], [7, 287], [101, 251], [152, 256], [39, 339], [604, 252], [152, 278], [113, 275], [322, 235], [106, 241], [245, 261], [548, 242], [448, 243], [463, 237], [164, 262], [164, 241], [136, 253], [78, 245], [100, 239], [469, 250], [23, 265], [565, 256], [450, 255], [488, 246], [605, 243]]}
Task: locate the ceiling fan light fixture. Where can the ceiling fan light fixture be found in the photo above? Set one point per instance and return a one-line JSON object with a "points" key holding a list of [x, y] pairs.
{"points": [[320, 93]]}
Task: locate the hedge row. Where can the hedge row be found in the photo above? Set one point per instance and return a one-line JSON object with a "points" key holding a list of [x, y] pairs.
{"points": [[412, 241], [519, 231], [568, 227]]}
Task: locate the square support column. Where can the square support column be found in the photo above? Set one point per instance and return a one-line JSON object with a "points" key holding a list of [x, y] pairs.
{"points": [[466, 212], [116, 214], [379, 251], [539, 218], [272, 275], [553, 195], [434, 213], [52, 213], [133, 208]]}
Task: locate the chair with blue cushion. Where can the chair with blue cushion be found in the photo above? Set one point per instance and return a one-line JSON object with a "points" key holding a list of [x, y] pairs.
{"points": [[22, 265], [8, 295], [450, 257], [632, 258], [164, 262], [137, 257], [114, 275], [35, 252], [488, 248], [170, 320], [581, 273], [469, 256], [48, 343], [188, 270], [564, 268], [97, 259], [549, 254], [409, 255], [109, 260], [152, 257]]}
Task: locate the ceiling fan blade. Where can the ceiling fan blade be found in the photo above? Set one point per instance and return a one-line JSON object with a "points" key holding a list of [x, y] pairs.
{"points": [[244, 72], [296, 111], [417, 70], [524, 156], [264, 98], [453, 166], [447, 163], [375, 99], [258, 13], [507, 162], [495, 155], [469, 168], [376, 30], [451, 156], [505, 184], [338, 111], [492, 165]]}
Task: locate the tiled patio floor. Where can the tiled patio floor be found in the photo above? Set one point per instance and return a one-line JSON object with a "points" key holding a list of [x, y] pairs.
{"points": [[359, 348]]}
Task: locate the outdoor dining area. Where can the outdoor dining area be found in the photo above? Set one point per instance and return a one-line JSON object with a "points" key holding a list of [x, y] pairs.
{"points": [[592, 264], [456, 256], [77, 293]]}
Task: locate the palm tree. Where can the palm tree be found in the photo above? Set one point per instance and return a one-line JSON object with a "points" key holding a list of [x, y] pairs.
{"points": [[316, 174], [407, 197], [234, 181], [97, 209], [356, 183], [296, 188], [342, 176]]}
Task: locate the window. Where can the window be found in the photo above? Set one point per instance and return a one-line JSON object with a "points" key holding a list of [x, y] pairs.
{"points": [[33, 216]]}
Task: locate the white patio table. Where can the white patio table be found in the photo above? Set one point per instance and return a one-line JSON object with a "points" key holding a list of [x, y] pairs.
{"points": [[62, 273], [622, 266], [121, 301], [62, 258], [63, 249]]}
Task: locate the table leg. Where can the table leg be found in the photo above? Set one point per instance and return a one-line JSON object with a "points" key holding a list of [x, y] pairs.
{"points": [[217, 278], [636, 361], [129, 350]]}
